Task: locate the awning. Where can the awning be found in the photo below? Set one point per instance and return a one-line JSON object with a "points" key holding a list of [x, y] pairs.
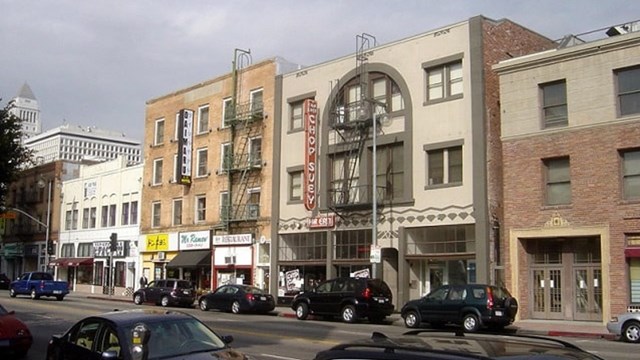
{"points": [[632, 252], [191, 258], [72, 261]]}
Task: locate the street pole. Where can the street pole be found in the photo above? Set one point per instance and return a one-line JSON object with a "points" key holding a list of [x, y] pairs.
{"points": [[46, 237], [374, 182]]}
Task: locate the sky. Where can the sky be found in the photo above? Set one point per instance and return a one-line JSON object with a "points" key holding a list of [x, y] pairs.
{"points": [[96, 63]]}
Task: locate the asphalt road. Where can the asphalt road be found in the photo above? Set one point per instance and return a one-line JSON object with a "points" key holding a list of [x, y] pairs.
{"points": [[261, 336]]}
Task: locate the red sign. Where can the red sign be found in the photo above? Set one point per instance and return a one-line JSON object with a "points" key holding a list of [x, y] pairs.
{"points": [[322, 222], [311, 153]]}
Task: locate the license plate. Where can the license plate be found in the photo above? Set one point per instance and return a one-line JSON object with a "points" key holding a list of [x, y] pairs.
{"points": [[263, 298], [57, 291], [382, 301], [498, 313]]}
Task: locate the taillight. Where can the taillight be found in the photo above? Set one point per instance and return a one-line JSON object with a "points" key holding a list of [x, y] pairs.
{"points": [[249, 297], [41, 284], [366, 293], [489, 299]]}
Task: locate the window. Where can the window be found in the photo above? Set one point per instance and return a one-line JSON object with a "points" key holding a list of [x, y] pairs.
{"points": [[256, 102], [155, 214], [255, 152], [558, 181], [444, 166], [295, 186], [157, 172], [176, 169], [93, 214], [112, 215], [201, 158], [203, 119], [628, 90], [177, 212], [104, 216], [124, 220], [253, 204], [390, 172], [74, 219], [554, 104], [134, 213], [631, 174], [201, 208], [85, 250], [68, 250], [159, 132], [345, 180], [225, 206], [226, 157], [227, 112], [296, 122], [67, 218], [85, 218], [444, 82]]}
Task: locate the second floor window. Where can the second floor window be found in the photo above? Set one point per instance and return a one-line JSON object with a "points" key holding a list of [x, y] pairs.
{"points": [[157, 172], [444, 166], [631, 174], [104, 216], [155, 214], [554, 104], [628, 91], [93, 214], [295, 186], [390, 172], [112, 215], [125, 214], [296, 116], [202, 158], [444, 81], [558, 181], [177, 212], [201, 208]]}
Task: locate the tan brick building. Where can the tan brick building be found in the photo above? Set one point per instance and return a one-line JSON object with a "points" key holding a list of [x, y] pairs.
{"points": [[206, 200], [571, 140]]}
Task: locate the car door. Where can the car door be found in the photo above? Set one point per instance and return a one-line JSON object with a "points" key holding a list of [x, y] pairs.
{"points": [[153, 290], [81, 343], [339, 291], [431, 305], [215, 300], [108, 341], [319, 297], [453, 303]]}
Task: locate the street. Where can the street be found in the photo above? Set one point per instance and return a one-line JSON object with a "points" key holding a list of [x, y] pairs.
{"points": [[261, 336]]}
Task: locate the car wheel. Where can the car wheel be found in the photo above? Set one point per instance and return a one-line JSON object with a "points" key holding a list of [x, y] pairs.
{"points": [[631, 332], [203, 305], [302, 311], [349, 314], [34, 294], [412, 319], [12, 293], [137, 299], [471, 323], [164, 301], [235, 307]]}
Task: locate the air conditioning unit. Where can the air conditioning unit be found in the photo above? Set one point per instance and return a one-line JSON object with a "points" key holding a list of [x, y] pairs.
{"points": [[162, 255], [229, 260]]}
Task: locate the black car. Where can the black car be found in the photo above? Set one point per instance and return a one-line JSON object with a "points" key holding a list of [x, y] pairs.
{"points": [[114, 335], [166, 292], [4, 281], [237, 299], [436, 345], [349, 298], [471, 305]]}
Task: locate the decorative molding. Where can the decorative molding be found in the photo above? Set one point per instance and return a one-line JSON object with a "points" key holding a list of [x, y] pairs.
{"points": [[557, 221]]}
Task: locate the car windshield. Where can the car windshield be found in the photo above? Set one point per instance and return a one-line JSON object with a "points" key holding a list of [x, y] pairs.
{"points": [[179, 337], [184, 285], [253, 290]]}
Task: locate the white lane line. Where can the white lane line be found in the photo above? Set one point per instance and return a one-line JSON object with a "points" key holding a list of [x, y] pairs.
{"points": [[279, 357], [354, 332]]}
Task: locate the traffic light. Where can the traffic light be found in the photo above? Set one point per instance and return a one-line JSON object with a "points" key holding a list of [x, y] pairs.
{"points": [[50, 249], [114, 242]]}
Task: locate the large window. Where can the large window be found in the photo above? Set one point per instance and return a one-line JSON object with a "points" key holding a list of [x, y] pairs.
{"points": [[201, 208], [255, 151], [256, 101], [134, 213], [203, 119], [296, 122], [68, 250], [295, 185], [93, 214], [225, 206], [112, 215], [558, 181], [177, 212], [303, 246], [444, 82], [85, 218], [353, 245], [631, 174], [85, 250], [449, 239], [155, 214], [104, 216], [202, 158], [629, 90], [554, 104], [159, 132], [345, 180], [124, 220], [444, 166], [390, 172], [226, 157], [227, 112], [157, 172]]}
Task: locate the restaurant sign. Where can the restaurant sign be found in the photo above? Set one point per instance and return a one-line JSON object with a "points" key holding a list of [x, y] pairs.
{"points": [[240, 239], [195, 240]]}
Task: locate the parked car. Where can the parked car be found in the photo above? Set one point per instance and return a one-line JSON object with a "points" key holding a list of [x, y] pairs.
{"points": [[438, 345], [166, 292], [37, 284], [471, 305], [15, 337], [237, 299], [169, 334], [626, 326], [4, 281], [349, 298]]}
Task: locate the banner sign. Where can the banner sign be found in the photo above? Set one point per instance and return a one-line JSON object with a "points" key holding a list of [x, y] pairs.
{"points": [[184, 119], [196, 240], [311, 153], [157, 242], [102, 249], [241, 239]]}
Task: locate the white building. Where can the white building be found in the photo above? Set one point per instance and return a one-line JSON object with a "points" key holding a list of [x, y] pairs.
{"points": [[103, 200], [25, 106], [78, 143]]}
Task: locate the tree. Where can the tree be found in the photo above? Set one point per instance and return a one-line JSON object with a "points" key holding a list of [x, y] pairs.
{"points": [[13, 155]]}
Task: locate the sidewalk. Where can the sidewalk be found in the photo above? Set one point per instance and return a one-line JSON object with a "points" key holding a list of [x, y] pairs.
{"points": [[524, 327]]}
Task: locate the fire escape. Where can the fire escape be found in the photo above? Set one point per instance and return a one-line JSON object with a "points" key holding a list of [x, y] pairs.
{"points": [[350, 127], [242, 160]]}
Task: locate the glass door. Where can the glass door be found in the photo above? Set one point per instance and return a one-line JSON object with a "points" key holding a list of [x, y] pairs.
{"points": [[547, 293], [588, 291]]}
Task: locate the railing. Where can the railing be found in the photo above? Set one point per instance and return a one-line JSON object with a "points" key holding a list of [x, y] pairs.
{"points": [[242, 212], [355, 196]]}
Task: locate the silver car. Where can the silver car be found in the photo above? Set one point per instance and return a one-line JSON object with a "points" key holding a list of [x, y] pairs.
{"points": [[627, 326]]}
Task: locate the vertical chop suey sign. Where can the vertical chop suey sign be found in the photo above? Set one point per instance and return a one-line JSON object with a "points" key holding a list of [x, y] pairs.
{"points": [[311, 153], [185, 137]]}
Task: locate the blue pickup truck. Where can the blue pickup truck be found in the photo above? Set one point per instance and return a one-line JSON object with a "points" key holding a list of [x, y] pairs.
{"points": [[37, 284]]}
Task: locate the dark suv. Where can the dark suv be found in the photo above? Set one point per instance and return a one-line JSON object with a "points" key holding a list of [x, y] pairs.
{"points": [[349, 298], [472, 306], [166, 292]]}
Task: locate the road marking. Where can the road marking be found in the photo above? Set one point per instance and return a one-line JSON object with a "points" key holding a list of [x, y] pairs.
{"points": [[279, 357], [365, 334], [221, 329]]}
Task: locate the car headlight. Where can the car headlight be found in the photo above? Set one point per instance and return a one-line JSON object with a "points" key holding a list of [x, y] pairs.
{"points": [[614, 319]]}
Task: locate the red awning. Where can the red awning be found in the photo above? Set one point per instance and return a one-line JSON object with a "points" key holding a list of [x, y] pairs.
{"points": [[80, 261], [632, 252]]}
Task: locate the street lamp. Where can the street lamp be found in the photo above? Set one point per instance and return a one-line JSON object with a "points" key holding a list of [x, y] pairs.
{"points": [[47, 231], [374, 183]]}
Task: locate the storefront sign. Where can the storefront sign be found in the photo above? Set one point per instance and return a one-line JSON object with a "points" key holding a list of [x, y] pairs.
{"points": [[241, 239], [292, 280], [90, 189], [376, 254], [157, 242], [311, 153], [322, 222], [196, 240], [102, 249], [184, 119]]}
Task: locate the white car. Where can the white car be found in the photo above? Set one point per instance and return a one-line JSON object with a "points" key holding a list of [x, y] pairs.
{"points": [[627, 326]]}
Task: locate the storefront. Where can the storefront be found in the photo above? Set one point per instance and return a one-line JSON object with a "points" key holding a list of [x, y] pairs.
{"points": [[233, 259], [193, 262], [156, 252]]}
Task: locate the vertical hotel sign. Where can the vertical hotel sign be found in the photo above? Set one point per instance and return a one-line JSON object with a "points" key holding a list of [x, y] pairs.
{"points": [[184, 119], [311, 153]]}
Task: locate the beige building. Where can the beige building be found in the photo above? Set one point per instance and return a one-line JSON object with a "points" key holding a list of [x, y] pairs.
{"points": [[570, 132], [207, 189], [433, 101]]}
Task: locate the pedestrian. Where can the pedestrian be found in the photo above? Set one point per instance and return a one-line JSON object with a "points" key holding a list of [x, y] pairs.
{"points": [[143, 281]]}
